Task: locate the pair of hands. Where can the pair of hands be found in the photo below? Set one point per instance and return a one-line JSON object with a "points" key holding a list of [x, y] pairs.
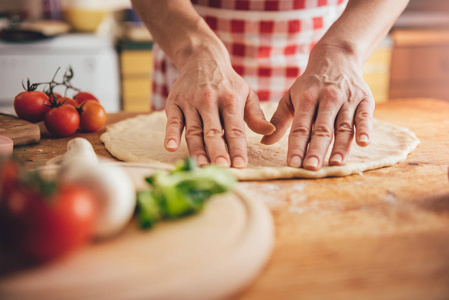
{"points": [[212, 102]]}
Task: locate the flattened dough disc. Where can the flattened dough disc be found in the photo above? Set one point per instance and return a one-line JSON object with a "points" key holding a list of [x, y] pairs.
{"points": [[140, 139], [207, 256]]}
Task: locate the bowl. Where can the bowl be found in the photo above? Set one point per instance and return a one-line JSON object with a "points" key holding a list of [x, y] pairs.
{"points": [[85, 20]]}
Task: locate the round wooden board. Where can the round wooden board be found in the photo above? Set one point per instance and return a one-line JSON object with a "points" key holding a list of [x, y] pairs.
{"points": [[210, 255]]}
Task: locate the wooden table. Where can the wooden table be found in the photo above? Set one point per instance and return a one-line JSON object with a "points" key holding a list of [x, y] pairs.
{"points": [[383, 234]]}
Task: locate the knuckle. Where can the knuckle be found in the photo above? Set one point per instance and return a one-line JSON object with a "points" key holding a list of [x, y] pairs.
{"points": [[345, 127], [308, 98], [322, 131], [332, 92], [207, 98], [358, 96], [213, 133], [194, 131], [365, 94], [175, 101], [235, 133], [175, 122], [171, 99], [229, 102], [308, 101], [363, 116], [300, 131]]}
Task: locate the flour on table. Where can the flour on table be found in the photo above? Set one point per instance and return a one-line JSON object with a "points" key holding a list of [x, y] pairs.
{"points": [[140, 139]]}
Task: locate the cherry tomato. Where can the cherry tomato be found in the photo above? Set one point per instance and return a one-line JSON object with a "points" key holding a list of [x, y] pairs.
{"points": [[43, 227], [58, 99], [84, 96], [62, 121], [54, 96], [92, 116], [31, 106], [68, 101]]}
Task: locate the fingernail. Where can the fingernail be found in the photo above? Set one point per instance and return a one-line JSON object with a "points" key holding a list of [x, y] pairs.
{"points": [[363, 138], [172, 144], [272, 129], [295, 161], [202, 160], [238, 162], [222, 162], [337, 158], [311, 162]]}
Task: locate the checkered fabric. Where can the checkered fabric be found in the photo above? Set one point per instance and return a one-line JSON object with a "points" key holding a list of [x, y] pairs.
{"points": [[269, 41], [265, 5]]}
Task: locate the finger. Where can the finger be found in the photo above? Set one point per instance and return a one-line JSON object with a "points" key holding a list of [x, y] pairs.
{"points": [[194, 135], [234, 130], [323, 130], [301, 129], [344, 134], [174, 127], [214, 136], [364, 122], [254, 116], [282, 118]]}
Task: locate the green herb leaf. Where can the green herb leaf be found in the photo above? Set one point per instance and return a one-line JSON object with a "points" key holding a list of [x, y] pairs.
{"points": [[185, 190], [148, 212]]}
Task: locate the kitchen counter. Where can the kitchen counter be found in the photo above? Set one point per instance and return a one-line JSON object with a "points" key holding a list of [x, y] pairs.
{"points": [[383, 234]]}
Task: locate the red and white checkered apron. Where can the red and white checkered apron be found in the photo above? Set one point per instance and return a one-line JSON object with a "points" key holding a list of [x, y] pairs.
{"points": [[269, 41]]}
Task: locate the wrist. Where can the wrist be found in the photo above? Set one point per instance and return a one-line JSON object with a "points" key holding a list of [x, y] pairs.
{"points": [[326, 48], [201, 47]]}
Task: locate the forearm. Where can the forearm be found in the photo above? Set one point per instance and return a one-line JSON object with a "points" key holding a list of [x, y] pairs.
{"points": [[178, 29], [363, 24]]}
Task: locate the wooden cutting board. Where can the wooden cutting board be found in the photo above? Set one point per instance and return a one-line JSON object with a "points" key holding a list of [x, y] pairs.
{"points": [[19, 131], [210, 255]]}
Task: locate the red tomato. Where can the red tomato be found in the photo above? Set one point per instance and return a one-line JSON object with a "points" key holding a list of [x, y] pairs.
{"points": [[68, 101], [9, 176], [43, 227], [84, 96], [54, 96], [92, 116], [62, 121], [31, 106], [60, 99]]}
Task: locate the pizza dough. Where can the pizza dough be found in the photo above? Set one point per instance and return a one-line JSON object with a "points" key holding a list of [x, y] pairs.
{"points": [[140, 139]]}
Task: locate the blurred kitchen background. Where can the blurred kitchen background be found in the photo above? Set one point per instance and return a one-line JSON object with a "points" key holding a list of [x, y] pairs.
{"points": [[110, 51]]}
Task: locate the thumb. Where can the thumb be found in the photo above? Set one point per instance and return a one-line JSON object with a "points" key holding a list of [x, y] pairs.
{"points": [[254, 116], [282, 119]]}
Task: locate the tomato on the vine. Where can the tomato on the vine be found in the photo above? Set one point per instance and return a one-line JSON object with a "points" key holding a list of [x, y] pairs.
{"points": [[31, 106], [43, 224], [54, 96], [92, 116], [82, 97], [57, 99], [62, 121], [68, 101]]}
